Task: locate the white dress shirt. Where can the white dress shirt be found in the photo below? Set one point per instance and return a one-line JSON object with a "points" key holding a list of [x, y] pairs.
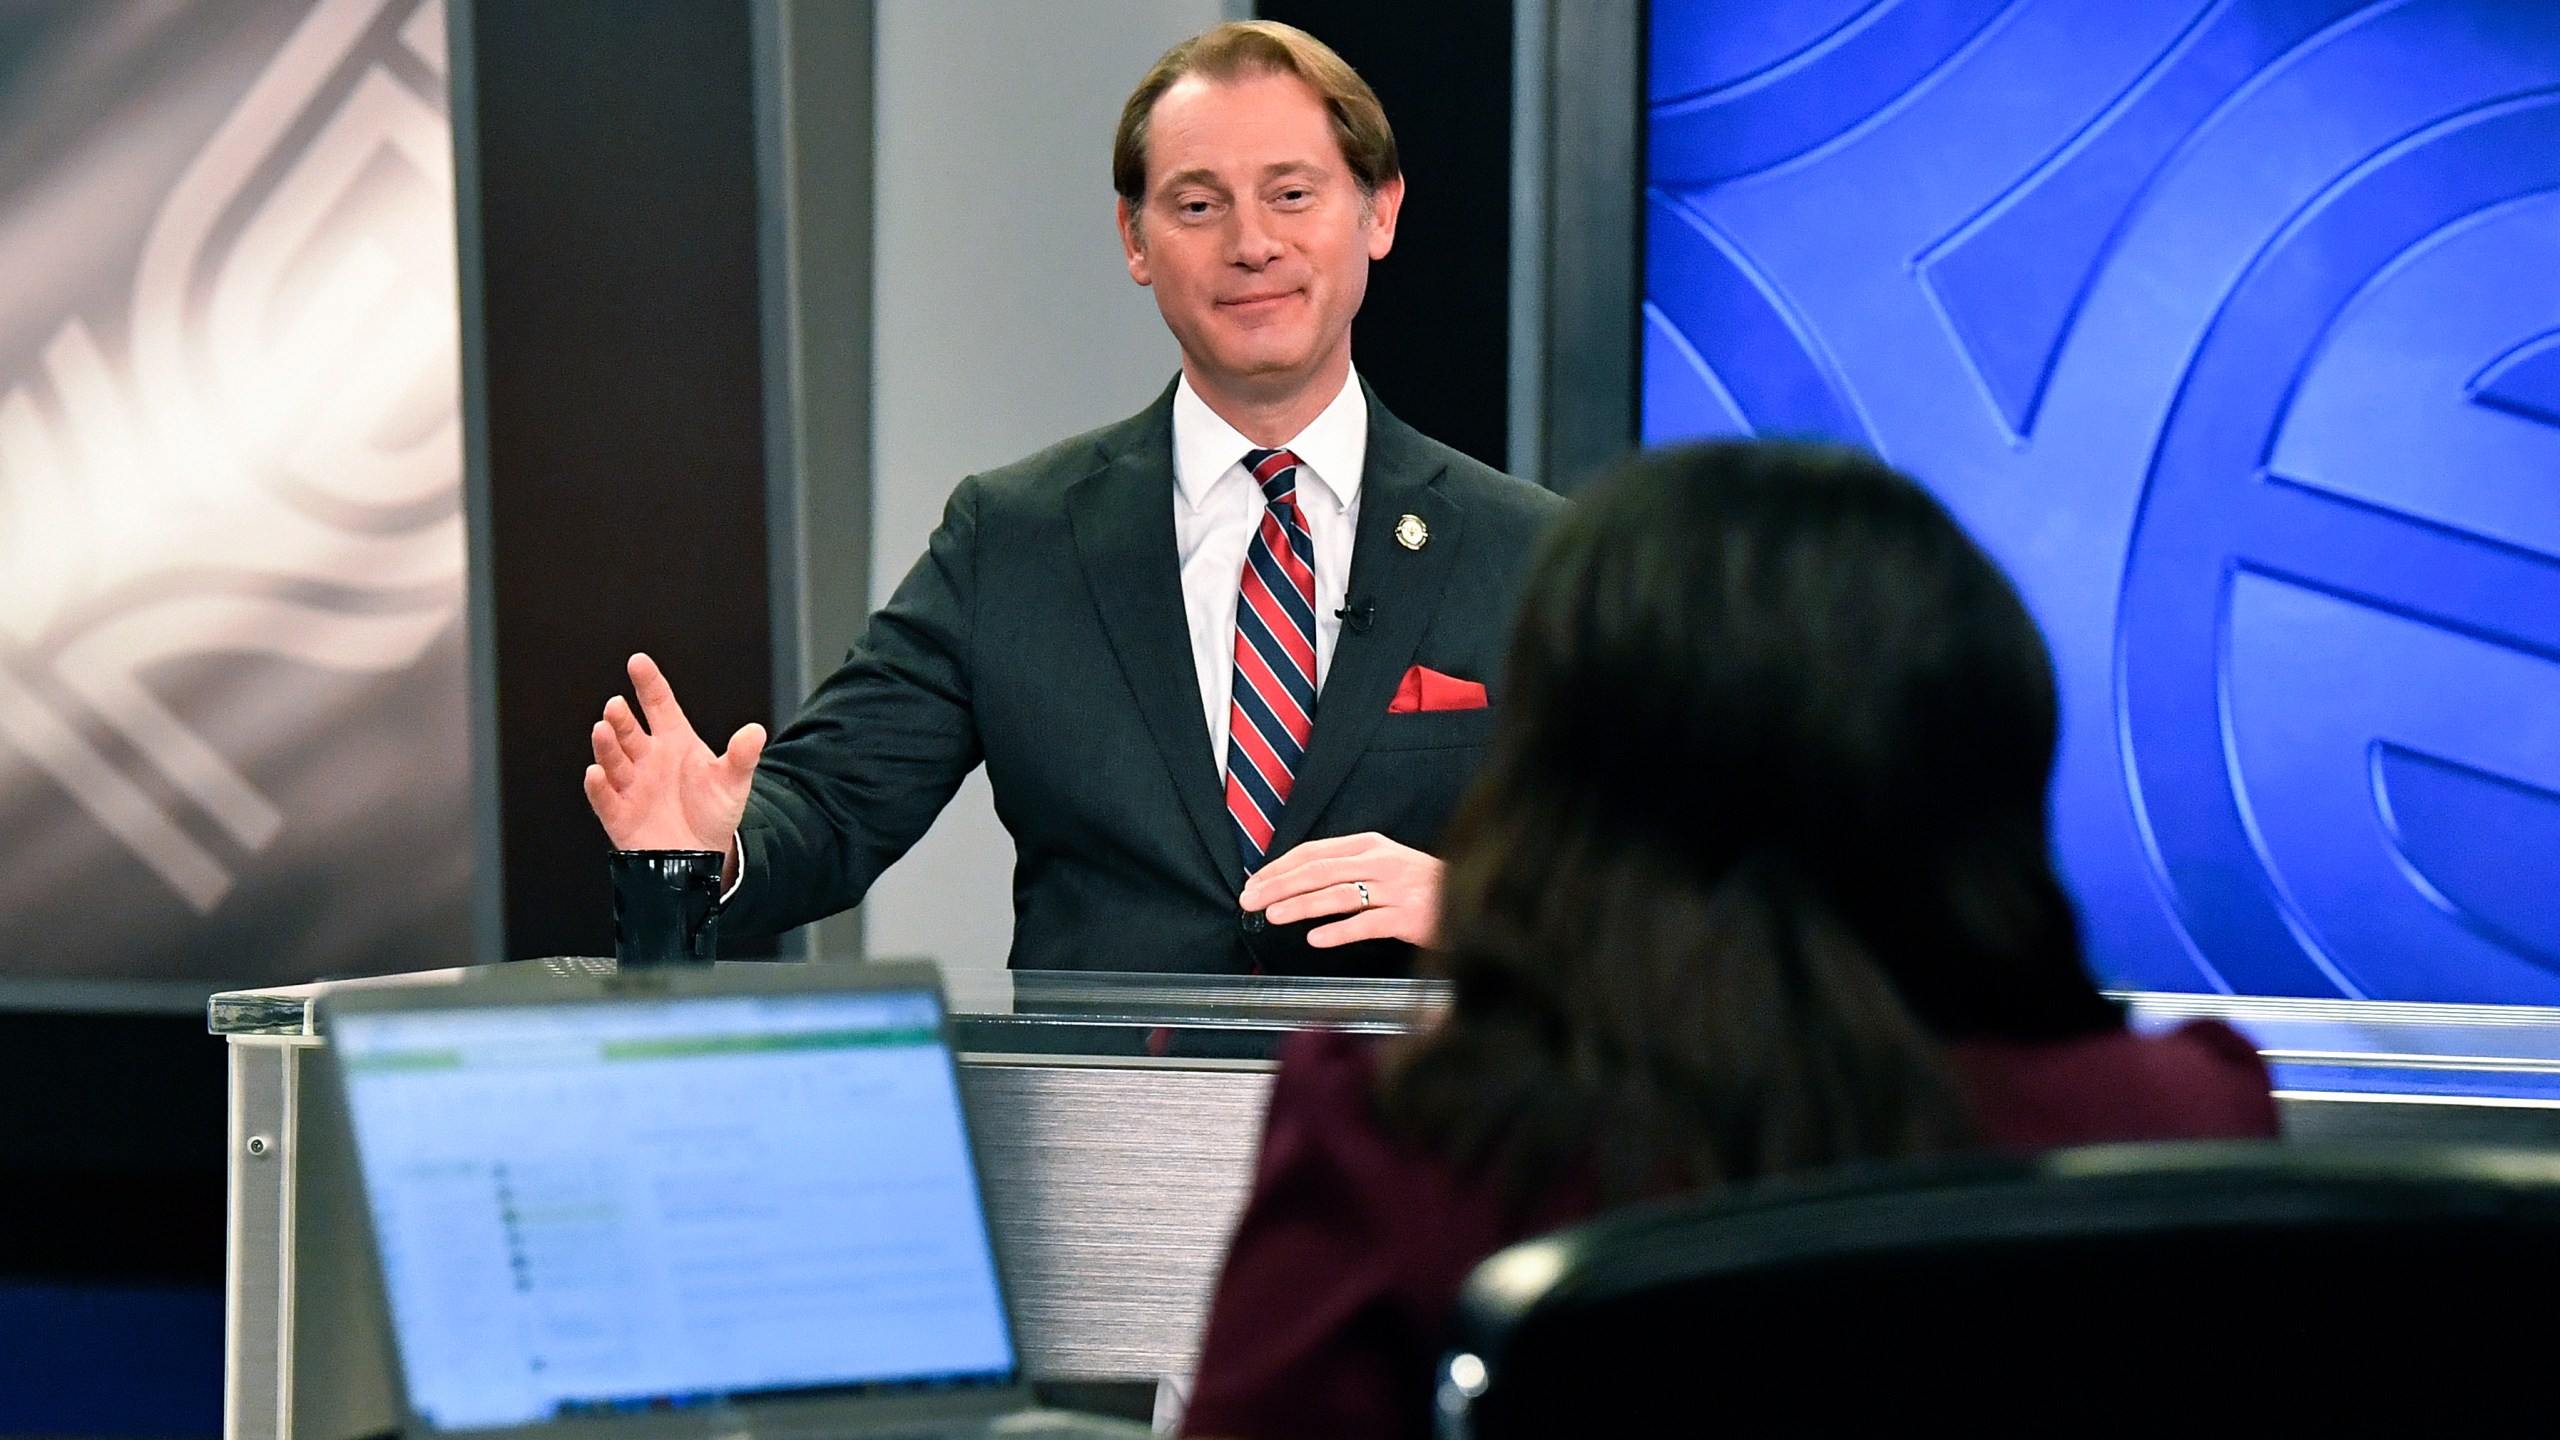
{"points": [[1217, 507]]}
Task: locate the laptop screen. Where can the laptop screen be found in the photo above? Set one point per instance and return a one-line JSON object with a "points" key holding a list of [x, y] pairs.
{"points": [[640, 1203]]}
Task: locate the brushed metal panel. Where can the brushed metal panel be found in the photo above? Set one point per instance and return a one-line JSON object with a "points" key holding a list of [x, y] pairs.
{"points": [[257, 1273], [1111, 1191]]}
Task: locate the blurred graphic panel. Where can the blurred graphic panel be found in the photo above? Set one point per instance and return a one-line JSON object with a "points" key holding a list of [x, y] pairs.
{"points": [[110, 1360], [2233, 330], [232, 679]]}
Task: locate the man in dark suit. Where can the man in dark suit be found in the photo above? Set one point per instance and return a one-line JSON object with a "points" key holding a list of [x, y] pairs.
{"points": [[1228, 662]]}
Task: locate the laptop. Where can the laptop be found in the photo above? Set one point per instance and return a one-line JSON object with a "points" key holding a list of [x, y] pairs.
{"points": [[735, 1200]]}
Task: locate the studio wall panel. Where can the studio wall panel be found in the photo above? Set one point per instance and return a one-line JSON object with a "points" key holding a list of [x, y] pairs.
{"points": [[1003, 321]]}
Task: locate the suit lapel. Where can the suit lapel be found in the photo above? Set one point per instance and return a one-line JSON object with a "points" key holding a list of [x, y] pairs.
{"points": [[1400, 477], [1122, 517]]}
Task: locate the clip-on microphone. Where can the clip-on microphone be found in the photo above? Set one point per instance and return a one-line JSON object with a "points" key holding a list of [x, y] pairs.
{"points": [[1357, 616]]}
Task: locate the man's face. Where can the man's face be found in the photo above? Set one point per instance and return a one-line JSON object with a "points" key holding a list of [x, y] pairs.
{"points": [[1254, 235]]}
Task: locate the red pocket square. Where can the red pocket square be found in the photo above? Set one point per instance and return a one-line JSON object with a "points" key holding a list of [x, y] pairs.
{"points": [[1426, 689]]}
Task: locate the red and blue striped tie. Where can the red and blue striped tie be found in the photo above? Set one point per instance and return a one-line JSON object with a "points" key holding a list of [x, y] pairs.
{"points": [[1274, 707]]}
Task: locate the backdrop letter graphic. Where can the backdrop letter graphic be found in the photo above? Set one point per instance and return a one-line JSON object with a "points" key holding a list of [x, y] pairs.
{"points": [[2232, 328], [231, 545]]}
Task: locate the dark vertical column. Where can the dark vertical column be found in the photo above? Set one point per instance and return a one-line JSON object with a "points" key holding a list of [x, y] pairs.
{"points": [[1433, 336], [617, 404], [814, 106], [1578, 275]]}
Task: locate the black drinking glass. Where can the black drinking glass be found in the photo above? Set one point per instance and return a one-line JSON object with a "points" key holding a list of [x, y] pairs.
{"points": [[665, 906]]}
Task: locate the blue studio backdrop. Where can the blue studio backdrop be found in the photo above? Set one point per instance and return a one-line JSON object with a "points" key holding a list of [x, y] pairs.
{"points": [[2233, 331]]}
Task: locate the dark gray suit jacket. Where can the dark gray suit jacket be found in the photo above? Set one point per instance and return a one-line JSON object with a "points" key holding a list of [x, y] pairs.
{"points": [[1043, 633]]}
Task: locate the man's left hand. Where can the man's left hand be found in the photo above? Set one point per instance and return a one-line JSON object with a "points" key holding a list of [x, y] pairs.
{"points": [[1383, 890]]}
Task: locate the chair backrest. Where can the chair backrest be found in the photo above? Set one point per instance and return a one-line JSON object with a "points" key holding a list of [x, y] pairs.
{"points": [[2095, 1289]]}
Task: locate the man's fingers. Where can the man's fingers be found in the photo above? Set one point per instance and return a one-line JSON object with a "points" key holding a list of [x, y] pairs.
{"points": [[1367, 925], [1336, 899], [1283, 875], [657, 698], [1311, 878], [745, 748], [600, 792], [1324, 877], [613, 763], [626, 726]]}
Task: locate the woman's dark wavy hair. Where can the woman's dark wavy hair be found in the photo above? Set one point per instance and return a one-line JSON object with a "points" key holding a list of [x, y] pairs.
{"points": [[1762, 824]]}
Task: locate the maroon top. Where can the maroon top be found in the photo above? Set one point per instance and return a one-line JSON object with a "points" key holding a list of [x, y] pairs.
{"points": [[1346, 1265]]}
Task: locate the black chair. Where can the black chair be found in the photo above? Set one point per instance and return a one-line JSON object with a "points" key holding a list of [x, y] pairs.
{"points": [[2180, 1288]]}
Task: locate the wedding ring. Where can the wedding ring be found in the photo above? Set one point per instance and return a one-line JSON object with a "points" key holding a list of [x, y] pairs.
{"points": [[1363, 887]]}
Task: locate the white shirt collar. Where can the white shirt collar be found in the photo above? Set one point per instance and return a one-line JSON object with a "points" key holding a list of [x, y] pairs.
{"points": [[1333, 447]]}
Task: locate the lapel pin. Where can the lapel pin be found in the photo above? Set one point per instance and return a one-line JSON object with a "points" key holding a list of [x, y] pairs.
{"points": [[1411, 533]]}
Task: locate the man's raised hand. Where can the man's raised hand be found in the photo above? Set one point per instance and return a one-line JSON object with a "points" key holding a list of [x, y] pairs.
{"points": [[661, 788]]}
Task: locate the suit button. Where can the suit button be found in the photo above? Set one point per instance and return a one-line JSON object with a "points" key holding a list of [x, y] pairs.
{"points": [[1251, 922]]}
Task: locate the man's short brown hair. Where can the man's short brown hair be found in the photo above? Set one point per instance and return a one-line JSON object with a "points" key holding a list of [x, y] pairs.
{"points": [[1246, 47]]}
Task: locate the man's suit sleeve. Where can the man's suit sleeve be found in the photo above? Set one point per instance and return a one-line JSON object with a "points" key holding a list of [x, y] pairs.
{"points": [[859, 775]]}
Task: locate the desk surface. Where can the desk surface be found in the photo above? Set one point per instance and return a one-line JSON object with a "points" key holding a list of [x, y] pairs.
{"points": [[2498, 1055], [1060, 1013]]}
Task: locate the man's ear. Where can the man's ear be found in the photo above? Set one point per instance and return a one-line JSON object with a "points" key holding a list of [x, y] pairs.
{"points": [[1385, 203], [1132, 249]]}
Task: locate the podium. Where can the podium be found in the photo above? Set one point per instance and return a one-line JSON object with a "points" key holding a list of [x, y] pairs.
{"points": [[1117, 1117]]}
